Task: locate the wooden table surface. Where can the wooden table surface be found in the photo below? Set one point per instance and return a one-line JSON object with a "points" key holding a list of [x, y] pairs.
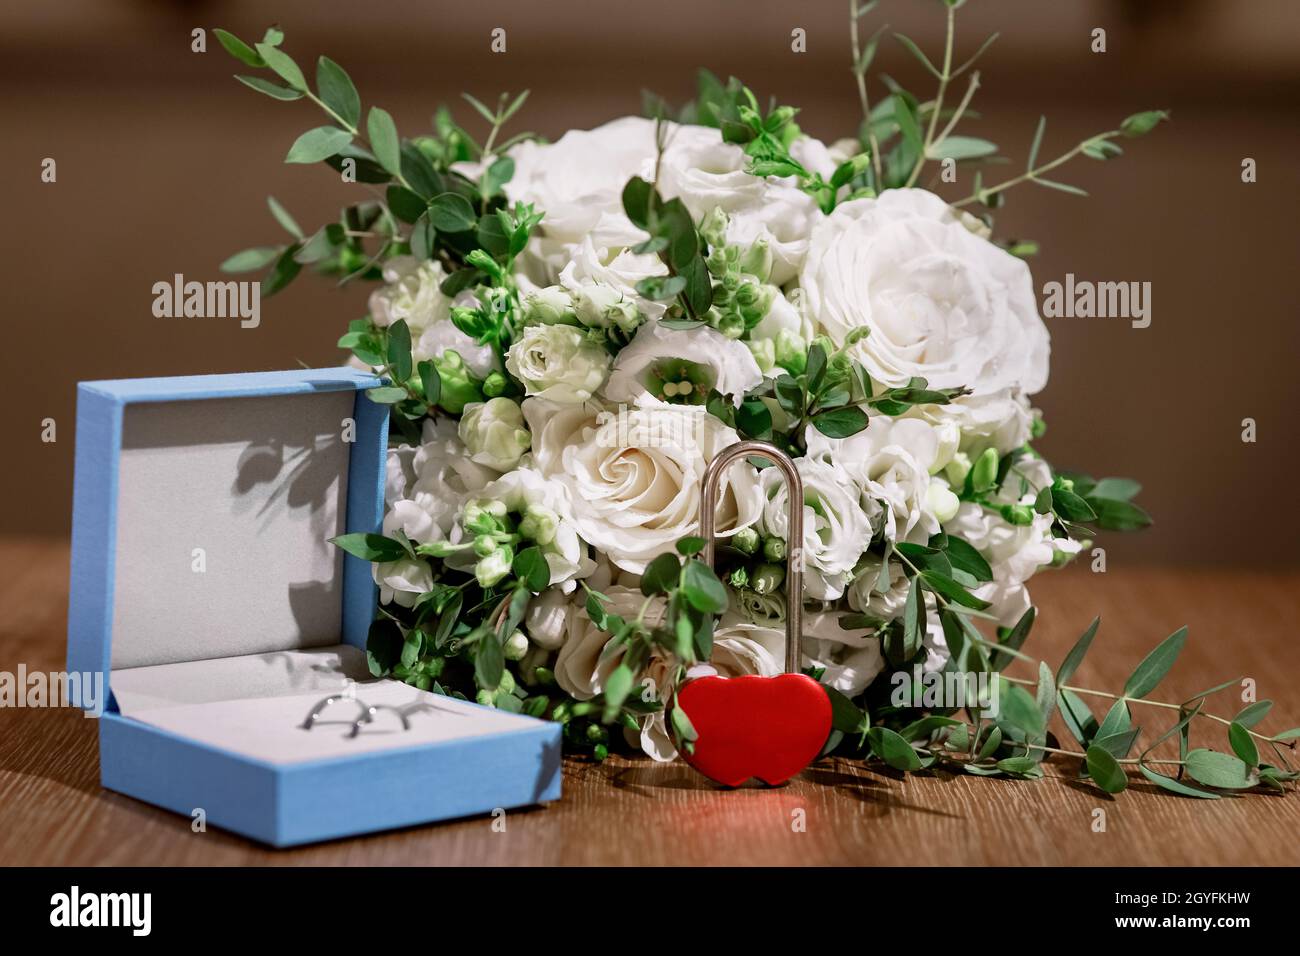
{"points": [[633, 811]]}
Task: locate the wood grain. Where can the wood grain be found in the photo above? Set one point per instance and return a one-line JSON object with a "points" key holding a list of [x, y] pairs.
{"points": [[633, 811]]}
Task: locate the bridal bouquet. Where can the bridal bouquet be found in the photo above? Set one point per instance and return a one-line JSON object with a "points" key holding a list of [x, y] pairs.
{"points": [[573, 330]]}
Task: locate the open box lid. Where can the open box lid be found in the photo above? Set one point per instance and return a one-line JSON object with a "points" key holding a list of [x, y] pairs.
{"points": [[202, 512]]}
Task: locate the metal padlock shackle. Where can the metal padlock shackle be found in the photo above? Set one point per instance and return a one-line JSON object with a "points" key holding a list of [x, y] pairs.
{"points": [[793, 538]]}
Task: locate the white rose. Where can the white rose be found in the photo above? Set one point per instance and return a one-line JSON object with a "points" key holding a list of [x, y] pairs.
{"points": [[494, 433], [938, 301], [835, 528], [663, 364], [634, 477], [402, 582], [558, 362], [578, 180], [583, 666]]}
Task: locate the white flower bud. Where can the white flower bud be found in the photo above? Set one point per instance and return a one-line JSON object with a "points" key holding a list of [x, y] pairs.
{"points": [[547, 619], [494, 433], [941, 502], [491, 569], [516, 646]]}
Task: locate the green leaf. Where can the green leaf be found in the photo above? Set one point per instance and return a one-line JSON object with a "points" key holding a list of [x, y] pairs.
{"points": [[991, 744], [907, 122], [1175, 786], [1038, 141], [682, 726], [701, 587], [237, 48], [383, 647], [249, 260], [1078, 716], [638, 195], [846, 716], [273, 90], [1018, 765], [498, 174], [1077, 653], [953, 591], [914, 623], [370, 547], [282, 216], [1015, 639], [1116, 721], [1119, 515], [840, 422], [964, 557], [962, 147], [337, 91], [489, 662], [661, 575], [399, 351], [282, 273], [893, 749], [1219, 770], [1155, 665], [405, 205], [1105, 770], [431, 381], [1139, 124], [1252, 714], [283, 65], [318, 144], [1071, 506], [383, 140], [1242, 745], [451, 212], [1019, 710], [386, 395], [661, 288], [617, 687], [1059, 187], [1291, 734], [1046, 695], [690, 545], [1115, 489], [531, 568], [921, 57]]}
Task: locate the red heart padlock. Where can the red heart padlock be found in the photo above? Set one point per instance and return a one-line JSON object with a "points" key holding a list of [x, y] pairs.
{"points": [[754, 726], [751, 726]]}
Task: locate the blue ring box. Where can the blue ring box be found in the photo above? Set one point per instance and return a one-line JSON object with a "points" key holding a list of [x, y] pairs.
{"points": [[205, 594]]}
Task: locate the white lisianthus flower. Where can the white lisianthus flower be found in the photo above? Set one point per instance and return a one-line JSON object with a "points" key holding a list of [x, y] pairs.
{"points": [[634, 476], [411, 293], [402, 582], [738, 650], [836, 529], [851, 658], [1000, 420], [890, 461], [662, 363], [616, 268], [546, 518], [1014, 553], [864, 596], [441, 474], [938, 301], [560, 363], [494, 433]]}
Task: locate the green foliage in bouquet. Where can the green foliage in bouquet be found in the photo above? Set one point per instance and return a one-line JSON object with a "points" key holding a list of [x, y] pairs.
{"points": [[465, 625]]}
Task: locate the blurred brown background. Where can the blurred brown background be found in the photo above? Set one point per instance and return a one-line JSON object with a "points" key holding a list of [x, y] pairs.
{"points": [[164, 163]]}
